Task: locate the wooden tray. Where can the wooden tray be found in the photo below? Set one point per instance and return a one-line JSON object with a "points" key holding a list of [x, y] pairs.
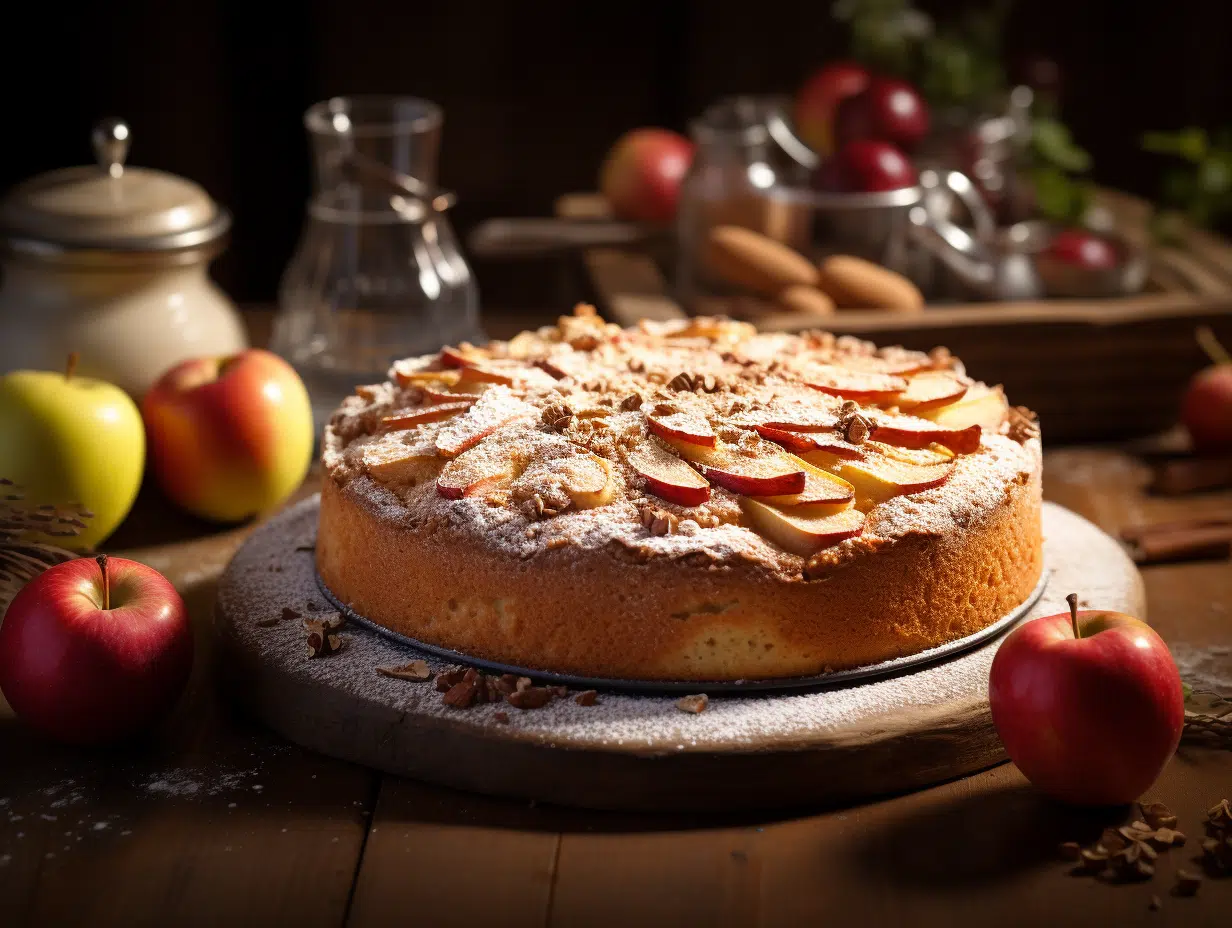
{"points": [[1092, 369], [626, 752]]}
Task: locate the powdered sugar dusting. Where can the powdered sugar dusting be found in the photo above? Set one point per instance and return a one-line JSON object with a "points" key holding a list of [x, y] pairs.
{"points": [[251, 594], [594, 387]]}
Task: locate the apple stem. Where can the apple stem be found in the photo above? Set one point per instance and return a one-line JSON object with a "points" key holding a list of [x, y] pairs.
{"points": [[1072, 599], [1210, 344], [102, 565], [74, 357]]}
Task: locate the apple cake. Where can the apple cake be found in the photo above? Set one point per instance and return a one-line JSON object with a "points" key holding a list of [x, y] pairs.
{"points": [[687, 500]]}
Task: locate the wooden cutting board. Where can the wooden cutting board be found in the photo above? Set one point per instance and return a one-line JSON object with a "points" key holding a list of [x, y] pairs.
{"points": [[626, 752]]}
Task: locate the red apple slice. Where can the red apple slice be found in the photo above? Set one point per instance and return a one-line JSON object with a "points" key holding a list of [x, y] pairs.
{"points": [[478, 471], [908, 432], [443, 396], [862, 386], [822, 490], [877, 479], [801, 442], [757, 470], [932, 389], [792, 441], [899, 363], [668, 477], [494, 409], [684, 427], [414, 378], [414, 417], [983, 406], [461, 357], [802, 532]]}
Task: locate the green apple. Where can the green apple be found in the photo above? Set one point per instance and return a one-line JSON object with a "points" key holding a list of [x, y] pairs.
{"points": [[67, 439]]}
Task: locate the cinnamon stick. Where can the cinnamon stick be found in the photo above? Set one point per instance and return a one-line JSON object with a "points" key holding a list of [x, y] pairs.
{"points": [[1171, 542]]}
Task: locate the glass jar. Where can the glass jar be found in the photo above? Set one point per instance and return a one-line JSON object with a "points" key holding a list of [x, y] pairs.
{"points": [[377, 274]]}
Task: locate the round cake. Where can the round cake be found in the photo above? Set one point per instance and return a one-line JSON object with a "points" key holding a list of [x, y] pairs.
{"points": [[687, 500]]}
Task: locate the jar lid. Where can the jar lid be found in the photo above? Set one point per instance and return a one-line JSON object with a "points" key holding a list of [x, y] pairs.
{"points": [[110, 207]]}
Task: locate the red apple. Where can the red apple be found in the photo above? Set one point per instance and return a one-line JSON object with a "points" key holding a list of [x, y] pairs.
{"points": [[1206, 408], [229, 437], [641, 174], [95, 649], [888, 110], [819, 97], [1083, 249], [867, 166], [1088, 704]]}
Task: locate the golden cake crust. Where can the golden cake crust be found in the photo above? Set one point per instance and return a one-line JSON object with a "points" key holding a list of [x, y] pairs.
{"points": [[599, 592]]}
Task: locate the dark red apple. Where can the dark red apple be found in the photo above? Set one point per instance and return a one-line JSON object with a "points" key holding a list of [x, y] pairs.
{"points": [[1206, 408], [641, 174], [866, 166], [1088, 704], [1084, 249], [95, 649], [888, 110], [819, 98]]}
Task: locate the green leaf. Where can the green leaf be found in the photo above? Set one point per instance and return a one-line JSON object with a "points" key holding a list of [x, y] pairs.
{"points": [[1053, 144], [1190, 144], [1215, 174], [1058, 196], [1186, 691]]}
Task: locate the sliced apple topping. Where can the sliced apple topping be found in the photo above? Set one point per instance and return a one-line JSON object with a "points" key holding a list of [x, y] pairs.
{"points": [[909, 432], [587, 478], [667, 476], [683, 427], [934, 454], [432, 395], [801, 442], [400, 463], [480, 470], [418, 377], [412, 417], [495, 408], [462, 356], [899, 363], [862, 386], [877, 478], [932, 389], [982, 405], [754, 467], [822, 491], [802, 532]]}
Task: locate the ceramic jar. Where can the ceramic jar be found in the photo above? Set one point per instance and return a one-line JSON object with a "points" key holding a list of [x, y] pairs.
{"points": [[111, 262]]}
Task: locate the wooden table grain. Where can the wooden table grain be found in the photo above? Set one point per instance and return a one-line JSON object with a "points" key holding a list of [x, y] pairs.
{"points": [[214, 821]]}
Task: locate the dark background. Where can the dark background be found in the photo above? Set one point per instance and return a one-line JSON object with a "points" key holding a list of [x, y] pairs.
{"points": [[533, 92]]}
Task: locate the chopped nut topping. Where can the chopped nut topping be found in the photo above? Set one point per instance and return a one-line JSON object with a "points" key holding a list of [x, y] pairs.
{"points": [[449, 678], [854, 425], [322, 635], [587, 697], [501, 716], [693, 704], [658, 521], [415, 670], [463, 693], [556, 416], [682, 381], [532, 697], [1157, 815], [1187, 883]]}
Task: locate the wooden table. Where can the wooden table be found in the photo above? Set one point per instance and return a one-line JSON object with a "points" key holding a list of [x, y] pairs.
{"points": [[214, 821]]}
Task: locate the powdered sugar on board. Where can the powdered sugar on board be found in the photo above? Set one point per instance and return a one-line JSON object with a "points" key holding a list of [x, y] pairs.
{"points": [[275, 571]]}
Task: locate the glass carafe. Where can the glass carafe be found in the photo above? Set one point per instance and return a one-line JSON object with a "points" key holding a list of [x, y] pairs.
{"points": [[377, 274]]}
